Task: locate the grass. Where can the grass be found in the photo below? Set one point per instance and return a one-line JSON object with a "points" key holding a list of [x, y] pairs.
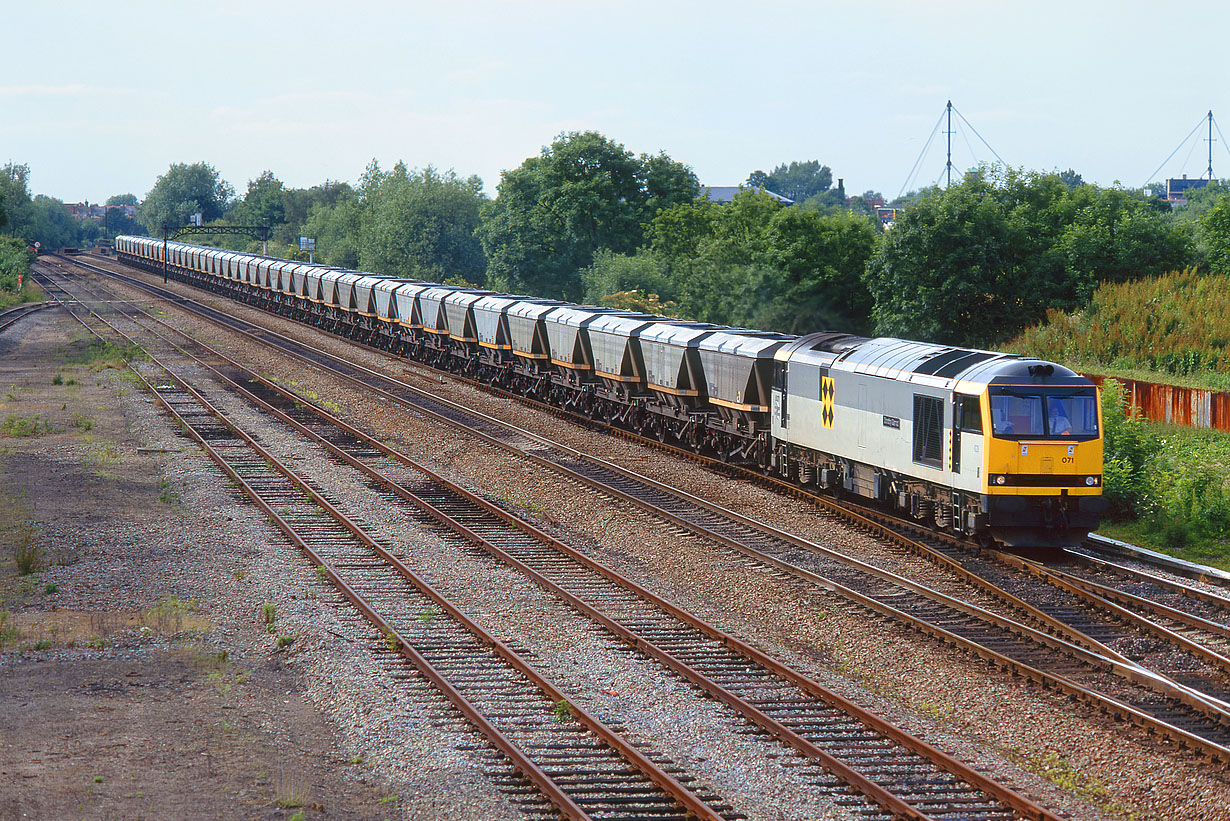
{"points": [[169, 614], [98, 355], [167, 494], [27, 552], [290, 792], [9, 634], [81, 422], [12, 298], [1184, 504], [23, 426], [1060, 772], [99, 456], [269, 613]]}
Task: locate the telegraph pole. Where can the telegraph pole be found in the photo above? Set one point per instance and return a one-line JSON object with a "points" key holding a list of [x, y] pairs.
{"points": [[1210, 142], [948, 167]]}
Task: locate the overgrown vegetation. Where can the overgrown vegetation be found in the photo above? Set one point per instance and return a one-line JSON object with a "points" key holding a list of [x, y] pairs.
{"points": [[21, 426], [98, 355], [1165, 485], [1152, 324]]}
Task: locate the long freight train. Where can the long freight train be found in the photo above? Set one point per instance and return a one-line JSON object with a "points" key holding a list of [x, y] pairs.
{"points": [[995, 446]]}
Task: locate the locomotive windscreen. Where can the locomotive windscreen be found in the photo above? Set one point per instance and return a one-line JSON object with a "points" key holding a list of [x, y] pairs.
{"points": [[1018, 413]]}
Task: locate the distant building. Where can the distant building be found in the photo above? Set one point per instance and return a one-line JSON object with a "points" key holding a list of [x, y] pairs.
{"points": [[726, 193], [87, 211], [1176, 189]]}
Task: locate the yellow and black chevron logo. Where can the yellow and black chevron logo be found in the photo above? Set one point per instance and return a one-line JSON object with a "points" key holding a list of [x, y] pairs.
{"points": [[828, 401]]}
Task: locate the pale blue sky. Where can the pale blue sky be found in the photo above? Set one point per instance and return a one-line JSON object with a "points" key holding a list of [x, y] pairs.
{"points": [[99, 98]]}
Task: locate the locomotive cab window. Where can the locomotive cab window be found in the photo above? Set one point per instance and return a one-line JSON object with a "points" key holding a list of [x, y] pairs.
{"points": [[1044, 415], [969, 413], [928, 425]]}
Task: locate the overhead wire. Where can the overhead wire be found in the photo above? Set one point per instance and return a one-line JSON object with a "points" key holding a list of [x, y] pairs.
{"points": [[979, 136], [913, 171], [1176, 151]]}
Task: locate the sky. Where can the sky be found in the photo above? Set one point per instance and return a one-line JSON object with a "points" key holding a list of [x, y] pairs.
{"points": [[101, 98]]}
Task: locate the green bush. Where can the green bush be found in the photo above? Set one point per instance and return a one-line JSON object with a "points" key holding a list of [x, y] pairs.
{"points": [[1187, 502], [15, 258], [1130, 450]]}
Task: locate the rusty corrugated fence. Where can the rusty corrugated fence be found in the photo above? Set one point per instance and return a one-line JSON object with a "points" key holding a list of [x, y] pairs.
{"points": [[1193, 407]]}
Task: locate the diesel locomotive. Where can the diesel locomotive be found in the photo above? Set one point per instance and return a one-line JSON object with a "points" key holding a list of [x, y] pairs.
{"points": [[1002, 448]]}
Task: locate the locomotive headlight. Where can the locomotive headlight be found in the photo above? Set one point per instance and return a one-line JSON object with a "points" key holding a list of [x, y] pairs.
{"points": [[999, 480], [1091, 480]]}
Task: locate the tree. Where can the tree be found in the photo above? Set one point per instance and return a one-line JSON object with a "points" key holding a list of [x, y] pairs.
{"points": [[117, 221], [1071, 179], [798, 181], [1114, 236], [973, 264], [819, 261], [262, 204], [949, 271], [337, 230], [298, 204], [755, 263], [14, 196], [185, 190], [644, 273], [422, 225], [581, 194], [1215, 235]]}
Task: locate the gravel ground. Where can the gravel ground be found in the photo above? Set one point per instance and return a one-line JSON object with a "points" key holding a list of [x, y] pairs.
{"points": [[1011, 729]]}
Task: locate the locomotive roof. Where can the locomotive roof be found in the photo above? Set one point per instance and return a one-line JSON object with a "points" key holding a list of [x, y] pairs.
{"points": [[926, 363]]}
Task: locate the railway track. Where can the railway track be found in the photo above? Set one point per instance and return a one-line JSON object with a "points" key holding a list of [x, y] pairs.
{"points": [[581, 766], [902, 775], [10, 316], [1105, 678]]}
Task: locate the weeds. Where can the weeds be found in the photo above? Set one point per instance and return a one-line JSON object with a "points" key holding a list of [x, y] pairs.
{"points": [[22, 426], [27, 553], [100, 455], [269, 613], [428, 614], [392, 641], [98, 355], [58, 379], [168, 614], [290, 792], [562, 710], [1060, 772], [285, 641], [216, 660], [167, 494], [1144, 324], [9, 634], [81, 422]]}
